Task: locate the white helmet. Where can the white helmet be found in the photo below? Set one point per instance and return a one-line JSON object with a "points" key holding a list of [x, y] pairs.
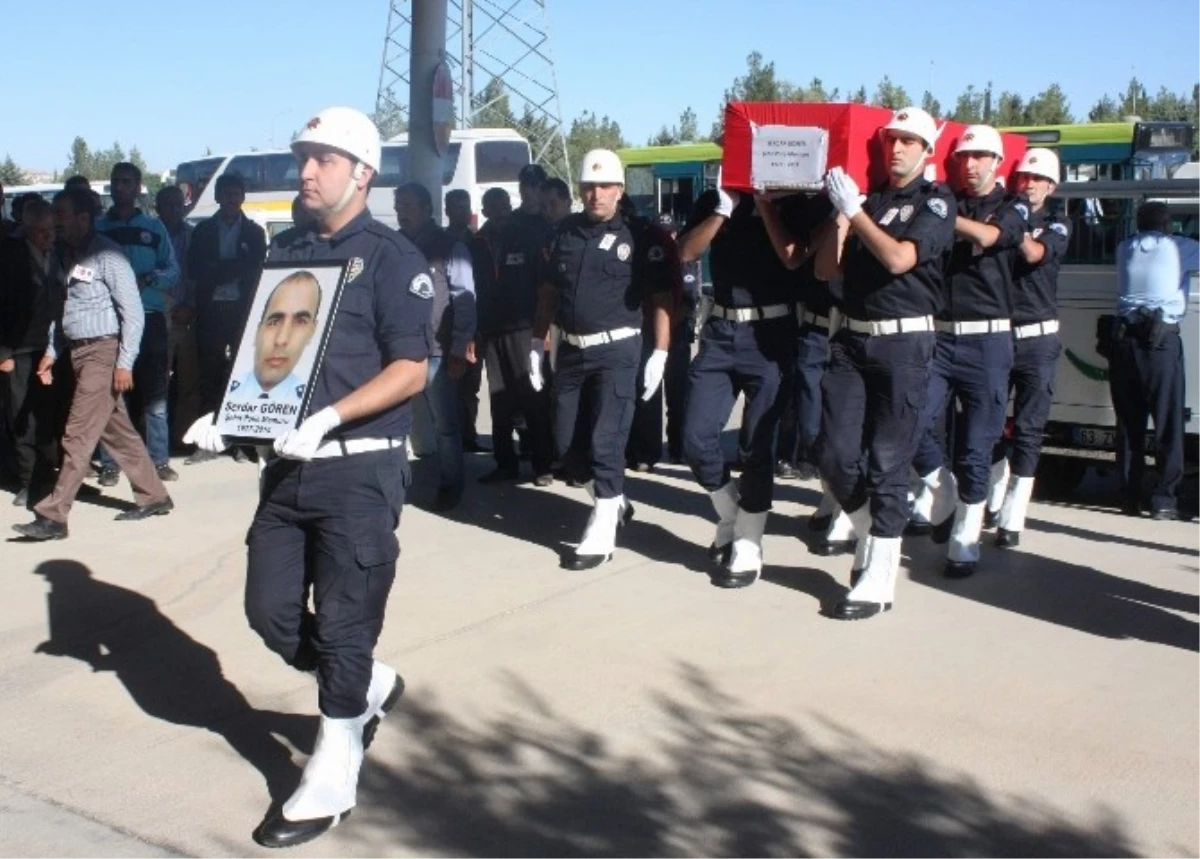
{"points": [[602, 167], [981, 138], [915, 121], [1040, 162], [343, 128]]}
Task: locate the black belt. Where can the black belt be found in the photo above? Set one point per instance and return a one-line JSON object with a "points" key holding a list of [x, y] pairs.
{"points": [[87, 341]]}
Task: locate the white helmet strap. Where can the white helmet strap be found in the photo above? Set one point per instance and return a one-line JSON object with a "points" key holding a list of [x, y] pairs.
{"points": [[351, 187]]}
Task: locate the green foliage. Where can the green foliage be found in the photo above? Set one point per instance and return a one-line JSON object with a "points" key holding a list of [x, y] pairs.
{"points": [[11, 174]]}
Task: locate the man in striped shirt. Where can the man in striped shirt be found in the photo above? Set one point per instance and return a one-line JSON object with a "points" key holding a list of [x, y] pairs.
{"points": [[101, 324]]}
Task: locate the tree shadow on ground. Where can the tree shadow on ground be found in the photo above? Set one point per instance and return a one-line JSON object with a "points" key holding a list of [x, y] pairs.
{"points": [[1062, 593], [167, 673], [714, 778]]}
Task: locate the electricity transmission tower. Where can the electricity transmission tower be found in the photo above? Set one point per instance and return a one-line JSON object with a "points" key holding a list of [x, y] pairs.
{"points": [[499, 55]]}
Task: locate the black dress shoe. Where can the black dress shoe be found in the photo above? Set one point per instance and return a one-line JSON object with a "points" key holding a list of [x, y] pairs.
{"points": [[543, 480], [1131, 507], [575, 561], [109, 477], [917, 528], [858, 610], [819, 523], [1165, 514], [372, 725], [1007, 539], [42, 528], [720, 554], [154, 508], [201, 456], [165, 473], [959, 569], [626, 515], [500, 475], [941, 533], [829, 548], [785, 471], [727, 579], [991, 518], [278, 831], [21, 499]]}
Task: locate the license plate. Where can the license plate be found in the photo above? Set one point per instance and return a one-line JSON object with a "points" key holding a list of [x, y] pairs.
{"points": [[1104, 439]]}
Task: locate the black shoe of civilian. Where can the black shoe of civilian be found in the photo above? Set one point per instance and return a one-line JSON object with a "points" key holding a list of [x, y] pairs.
{"points": [[543, 480], [1131, 507], [1165, 514], [109, 476], [448, 497], [42, 528], [807, 471], [784, 471], [201, 456], [473, 446], [154, 508], [166, 474], [21, 499]]}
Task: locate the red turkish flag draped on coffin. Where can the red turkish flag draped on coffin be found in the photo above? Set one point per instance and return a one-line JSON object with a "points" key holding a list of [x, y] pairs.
{"points": [[788, 146]]}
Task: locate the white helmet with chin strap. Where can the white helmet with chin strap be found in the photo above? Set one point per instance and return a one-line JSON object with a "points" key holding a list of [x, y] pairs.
{"points": [[1040, 162], [981, 138], [915, 122], [349, 131]]}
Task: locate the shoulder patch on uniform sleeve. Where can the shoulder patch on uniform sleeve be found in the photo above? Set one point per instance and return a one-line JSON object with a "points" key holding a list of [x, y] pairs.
{"points": [[623, 251], [1059, 228], [938, 206], [421, 286], [655, 254]]}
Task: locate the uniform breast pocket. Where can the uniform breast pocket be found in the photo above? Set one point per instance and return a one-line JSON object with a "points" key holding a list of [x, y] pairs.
{"points": [[616, 269], [353, 328]]}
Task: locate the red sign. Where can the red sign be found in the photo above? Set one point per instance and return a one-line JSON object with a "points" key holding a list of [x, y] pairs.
{"points": [[443, 108]]}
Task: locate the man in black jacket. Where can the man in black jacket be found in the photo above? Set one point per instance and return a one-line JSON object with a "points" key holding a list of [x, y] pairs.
{"points": [[30, 297], [225, 261]]}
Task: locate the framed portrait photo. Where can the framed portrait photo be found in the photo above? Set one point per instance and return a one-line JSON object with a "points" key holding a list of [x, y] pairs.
{"points": [[281, 350]]}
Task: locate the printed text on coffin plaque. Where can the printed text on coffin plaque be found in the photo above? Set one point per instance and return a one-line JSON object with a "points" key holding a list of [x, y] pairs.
{"points": [[784, 156]]}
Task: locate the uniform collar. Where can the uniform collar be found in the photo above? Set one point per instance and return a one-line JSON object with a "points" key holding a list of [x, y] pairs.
{"points": [[910, 190], [356, 225]]}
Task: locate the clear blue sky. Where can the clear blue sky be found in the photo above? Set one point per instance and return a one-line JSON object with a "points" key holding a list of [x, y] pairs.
{"points": [[175, 78]]}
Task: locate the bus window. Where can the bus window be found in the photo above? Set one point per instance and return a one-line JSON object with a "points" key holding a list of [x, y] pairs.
{"points": [[393, 168], [193, 176], [499, 161], [639, 185], [264, 173]]}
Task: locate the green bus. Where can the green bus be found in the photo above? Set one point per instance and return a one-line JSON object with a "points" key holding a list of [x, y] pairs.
{"points": [[670, 178], [1116, 151]]}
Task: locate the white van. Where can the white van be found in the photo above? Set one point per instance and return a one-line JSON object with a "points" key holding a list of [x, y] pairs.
{"points": [[477, 159]]}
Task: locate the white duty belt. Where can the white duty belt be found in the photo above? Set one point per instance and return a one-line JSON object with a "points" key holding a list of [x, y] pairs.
{"points": [[583, 341], [350, 446], [807, 317], [883, 327], [751, 314], [975, 326], [1035, 329]]}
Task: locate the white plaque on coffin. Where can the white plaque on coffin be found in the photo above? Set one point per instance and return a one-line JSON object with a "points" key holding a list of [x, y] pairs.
{"points": [[786, 157]]}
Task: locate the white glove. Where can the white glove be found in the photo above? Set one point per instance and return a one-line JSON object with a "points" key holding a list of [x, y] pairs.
{"points": [[537, 348], [302, 443], [727, 201], [652, 377], [204, 434], [843, 192]]}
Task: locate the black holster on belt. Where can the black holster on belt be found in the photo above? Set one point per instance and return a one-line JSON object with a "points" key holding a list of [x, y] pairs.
{"points": [[1109, 329], [1149, 327]]}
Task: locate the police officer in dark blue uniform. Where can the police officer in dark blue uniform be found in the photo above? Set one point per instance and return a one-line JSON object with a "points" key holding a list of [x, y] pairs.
{"points": [[1036, 346], [747, 346], [974, 352], [892, 246], [1146, 367], [331, 498], [679, 357], [597, 277]]}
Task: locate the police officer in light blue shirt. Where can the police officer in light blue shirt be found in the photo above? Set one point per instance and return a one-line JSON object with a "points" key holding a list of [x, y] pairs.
{"points": [[1146, 373]]}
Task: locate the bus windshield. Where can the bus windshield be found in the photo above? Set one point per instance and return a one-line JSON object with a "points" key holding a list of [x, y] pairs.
{"points": [[193, 176]]}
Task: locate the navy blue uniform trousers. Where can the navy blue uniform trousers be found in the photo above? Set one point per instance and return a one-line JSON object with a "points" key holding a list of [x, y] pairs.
{"points": [[1031, 382], [972, 369], [873, 396], [1148, 382], [750, 358], [329, 527], [604, 379]]}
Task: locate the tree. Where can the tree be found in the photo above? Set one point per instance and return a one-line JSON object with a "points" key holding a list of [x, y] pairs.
{"points": [[588, 132], [758, 84], [1105, 110], [689, 127], [890, 95], [1009, 110], [815, 91], [1049, 107], [860, 96], [931, 105], [968, 108], [491, 108], [79, 160], [11, 174], [1134, 100], [388, 117]]}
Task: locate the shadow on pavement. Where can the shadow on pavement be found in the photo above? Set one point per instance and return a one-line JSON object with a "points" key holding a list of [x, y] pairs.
{"points": [[1108, 536], [718, 780], [169, 675], [1066, 594]]}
